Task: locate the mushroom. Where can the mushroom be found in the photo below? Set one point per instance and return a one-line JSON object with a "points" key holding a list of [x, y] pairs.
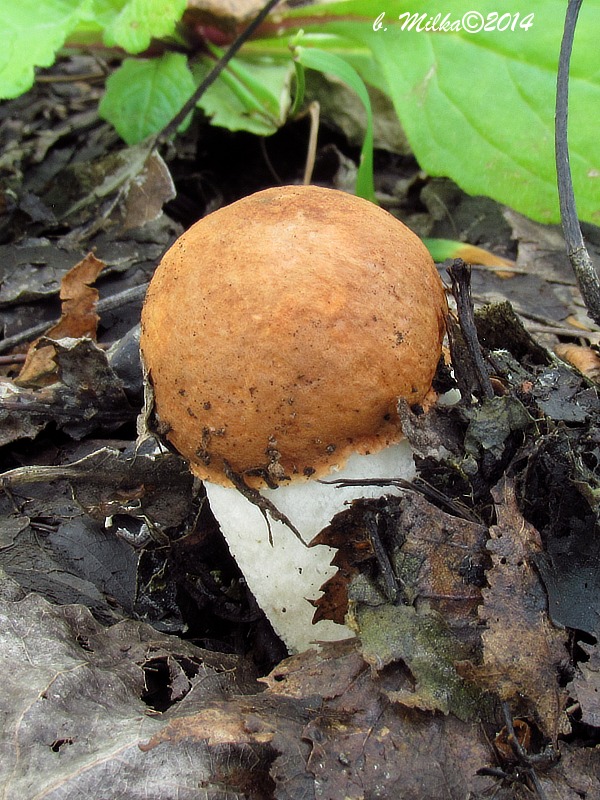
{"points": [[278, 334]]}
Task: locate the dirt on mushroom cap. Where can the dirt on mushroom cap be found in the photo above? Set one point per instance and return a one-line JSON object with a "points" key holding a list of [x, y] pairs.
{"points": [[279, 331]]}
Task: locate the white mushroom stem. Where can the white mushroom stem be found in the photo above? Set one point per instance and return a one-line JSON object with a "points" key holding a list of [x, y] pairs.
{"points": [[285, 576]]}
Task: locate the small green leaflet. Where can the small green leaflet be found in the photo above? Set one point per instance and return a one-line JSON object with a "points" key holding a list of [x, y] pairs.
{"points": [[132, 24], [251, 95], [145, 94]]}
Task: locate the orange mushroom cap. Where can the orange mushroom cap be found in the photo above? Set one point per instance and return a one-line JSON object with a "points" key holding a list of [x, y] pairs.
{"points": [[280, 331]]}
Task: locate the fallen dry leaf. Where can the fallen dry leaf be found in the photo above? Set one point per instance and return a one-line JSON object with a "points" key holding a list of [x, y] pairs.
{"points": [[74, 712], [576, 776], [363, 746], [522, 650], [584, 359], [327, 673], [148, 191], [79, 298], [441, 559], [438, 558], [348, 535], [78, 320], [586, 686], [420, 645]]}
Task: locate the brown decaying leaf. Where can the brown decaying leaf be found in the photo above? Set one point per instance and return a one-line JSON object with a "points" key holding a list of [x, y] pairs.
{"points": [[79, 300], [226, 15], [522, 650], [585, 359], [76, 726], [438, 558], [148, 192], [78, 319], [363, 746], [347, 534], [504, 745], [438, 562], [441, 559], [358, 744], [216, 725], [328, 673], [586, 686]]}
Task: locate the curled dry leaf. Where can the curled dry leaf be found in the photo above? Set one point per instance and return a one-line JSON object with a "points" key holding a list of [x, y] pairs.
{"points": [[79, 298], [148, 192], [84, 393], [78, 319]]}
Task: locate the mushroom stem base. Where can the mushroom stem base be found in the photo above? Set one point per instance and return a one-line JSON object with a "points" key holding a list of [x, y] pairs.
{"points": [[286, 576]]}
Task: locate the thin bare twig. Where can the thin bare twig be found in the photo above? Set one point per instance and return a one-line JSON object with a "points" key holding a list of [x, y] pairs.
{"points": [[264, 505], [417, 485], [313, 111], [585, 272], [212, 76]]}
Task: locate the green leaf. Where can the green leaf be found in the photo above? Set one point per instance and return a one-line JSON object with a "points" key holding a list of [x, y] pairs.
{"points": [[314, 58], [142, 96], [251, 95], [31, 32], [441, 249], [479, 107], [132, 24], [300, 89]]}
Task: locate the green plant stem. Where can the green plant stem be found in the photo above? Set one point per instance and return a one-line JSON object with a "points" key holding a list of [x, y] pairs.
{"points": [[585, 272], [220, 65]]}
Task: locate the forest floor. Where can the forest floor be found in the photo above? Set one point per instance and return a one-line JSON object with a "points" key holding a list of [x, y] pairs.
{"points": [[135, 662]]}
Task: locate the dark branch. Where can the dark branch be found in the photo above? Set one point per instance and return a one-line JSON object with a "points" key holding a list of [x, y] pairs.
{"points": [[218, 68], [460, 275], [585, 272]]}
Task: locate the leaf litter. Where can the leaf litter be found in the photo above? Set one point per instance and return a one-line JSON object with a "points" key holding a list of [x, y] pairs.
{"points": [[477, 633]]}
